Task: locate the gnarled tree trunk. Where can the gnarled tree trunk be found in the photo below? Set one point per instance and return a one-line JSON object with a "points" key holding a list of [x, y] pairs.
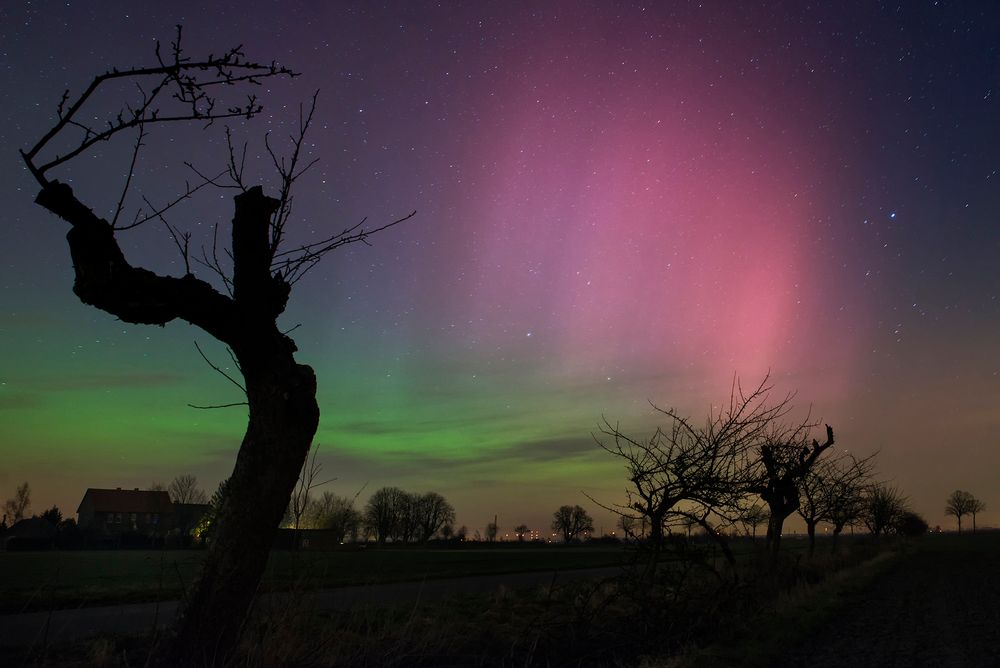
{"points": [[281, 396]]}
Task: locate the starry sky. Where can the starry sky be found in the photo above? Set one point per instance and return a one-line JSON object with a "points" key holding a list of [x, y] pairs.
{"points": [[617, 204]]}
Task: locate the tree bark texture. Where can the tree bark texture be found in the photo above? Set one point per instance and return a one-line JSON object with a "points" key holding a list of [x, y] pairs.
{"points": [[281, 395]]}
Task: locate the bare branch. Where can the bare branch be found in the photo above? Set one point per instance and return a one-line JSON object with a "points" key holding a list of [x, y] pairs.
{"points": [[183, 75], [295, 267], [128, 179], [220, 371], [205, 408], [157, 213]]}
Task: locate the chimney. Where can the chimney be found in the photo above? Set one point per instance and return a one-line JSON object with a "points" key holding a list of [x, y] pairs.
{"points": [[137, 489], [118, 488]]}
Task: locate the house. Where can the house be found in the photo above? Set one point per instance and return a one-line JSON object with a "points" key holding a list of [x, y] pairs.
{"points": [[33, 533], [118, 511]]}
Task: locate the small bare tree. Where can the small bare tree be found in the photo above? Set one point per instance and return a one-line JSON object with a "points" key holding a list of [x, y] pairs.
{"points": [[784, 460], [16, 507], [884, 508], [492, 531], [335, 514], [521, 530], [184, 489], [753, 517], [253, 281], [300, 501], [832, 492], [959, 504], [975, 508], [571, 521]]}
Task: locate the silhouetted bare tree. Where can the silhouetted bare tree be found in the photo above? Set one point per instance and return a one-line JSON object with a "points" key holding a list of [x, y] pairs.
{"points": [[407, 519], [784, 460], [975, 508], [492, 530], [832, 492], [884, 507], [335, 514], [280, 393], [753, 517], [521, 530], [383, 511], [960, 504], [848, 490], [571, 521], [184, 489], [16, 508], [310, 477], [432, 513]]}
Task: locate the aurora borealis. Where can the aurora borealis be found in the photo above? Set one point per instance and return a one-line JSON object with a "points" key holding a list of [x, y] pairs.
{"points": [[617, 203]]}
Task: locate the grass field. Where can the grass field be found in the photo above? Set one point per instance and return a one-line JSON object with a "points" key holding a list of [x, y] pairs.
{"points": [[31, 581]]}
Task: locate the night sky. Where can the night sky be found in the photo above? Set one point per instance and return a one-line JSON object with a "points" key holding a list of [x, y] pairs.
{"points": [[617, 204]]}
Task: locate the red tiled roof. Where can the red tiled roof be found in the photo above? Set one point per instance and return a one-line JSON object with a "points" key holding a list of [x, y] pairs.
{"points": [[127, 501]]}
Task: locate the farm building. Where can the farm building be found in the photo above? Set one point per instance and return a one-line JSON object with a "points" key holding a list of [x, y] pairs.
{"points": [[117, 511]]}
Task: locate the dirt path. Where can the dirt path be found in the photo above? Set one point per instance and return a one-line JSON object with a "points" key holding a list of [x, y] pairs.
{"points": [[937, 606]]}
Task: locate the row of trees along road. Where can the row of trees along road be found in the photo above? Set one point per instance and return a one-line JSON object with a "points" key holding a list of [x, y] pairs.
{"points": [[248, 287], [747, 463]]}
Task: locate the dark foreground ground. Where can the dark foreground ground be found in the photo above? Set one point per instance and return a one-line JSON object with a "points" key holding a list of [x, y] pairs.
{"points": [[937, 605], [930, 602]]}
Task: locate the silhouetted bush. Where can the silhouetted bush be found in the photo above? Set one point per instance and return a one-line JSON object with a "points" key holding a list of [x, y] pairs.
{"points": [[911, 524]]}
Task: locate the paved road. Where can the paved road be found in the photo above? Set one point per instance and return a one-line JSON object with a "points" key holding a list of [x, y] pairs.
{"points": [[57, 626]]}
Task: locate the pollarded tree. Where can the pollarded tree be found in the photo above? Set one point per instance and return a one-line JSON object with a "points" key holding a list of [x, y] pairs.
{"points": [[241, 310], [784, 460], [571, 521], [959, 504]]}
